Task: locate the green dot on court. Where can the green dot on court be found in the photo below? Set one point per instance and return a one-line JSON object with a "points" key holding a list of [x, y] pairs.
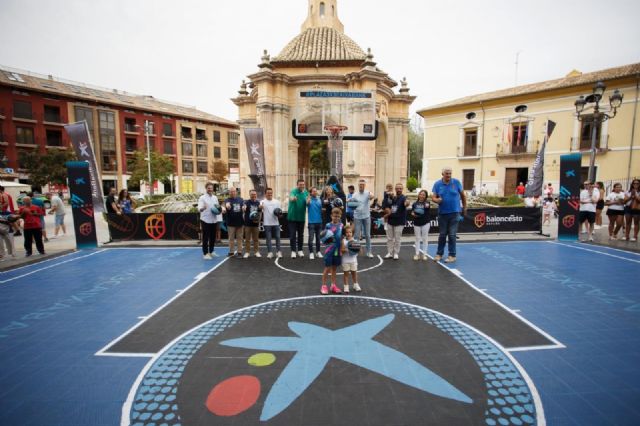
{"points": [[262, 359]]}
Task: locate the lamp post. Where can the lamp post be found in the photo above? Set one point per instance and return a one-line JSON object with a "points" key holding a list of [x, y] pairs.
{"points": [[598, 117], [146, 135]]}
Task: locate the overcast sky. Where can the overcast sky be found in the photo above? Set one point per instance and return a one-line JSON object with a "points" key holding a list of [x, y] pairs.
{"points": [[196, 52]]}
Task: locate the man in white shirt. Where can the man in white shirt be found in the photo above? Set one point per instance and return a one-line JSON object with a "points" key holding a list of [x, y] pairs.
{"points": [[589, 196], [271, 222], [57, 208], [362, 215], [208, 221]]}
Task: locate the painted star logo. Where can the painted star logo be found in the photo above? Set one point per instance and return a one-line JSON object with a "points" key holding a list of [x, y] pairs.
{"points": [[316, 345], [254, 149], [83, 149]]}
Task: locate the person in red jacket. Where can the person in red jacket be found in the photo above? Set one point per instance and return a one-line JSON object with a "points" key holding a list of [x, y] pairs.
{"points": [[32, 226]]}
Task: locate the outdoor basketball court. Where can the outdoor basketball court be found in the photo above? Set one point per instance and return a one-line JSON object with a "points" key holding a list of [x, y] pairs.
{"points": [[513, 333]]}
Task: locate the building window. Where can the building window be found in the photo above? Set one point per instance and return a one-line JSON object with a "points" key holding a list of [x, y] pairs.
{"points": [[233, 153], [54, 138], [167, 129], [151, 126], [22, 109], [130, 125], [52, 114], [168, 147], [24, 135], [471, 142], [468, 177], [201, 150], [202, 167], [586, 129], [131, 144], [187, 166], [185, 132], [322, 9], [187, 149], [233, 138], [216, 136], [86, 114], [107, 128], [201, 135], [216, 152], [519, 138]]}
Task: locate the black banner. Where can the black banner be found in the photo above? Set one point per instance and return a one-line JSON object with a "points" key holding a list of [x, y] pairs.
{"points": [[257, 169], [81, 204], [81, 142], [569, 209]]}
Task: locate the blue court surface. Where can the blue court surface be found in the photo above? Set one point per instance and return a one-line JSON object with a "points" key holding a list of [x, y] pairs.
{"points": [[58, 317]]}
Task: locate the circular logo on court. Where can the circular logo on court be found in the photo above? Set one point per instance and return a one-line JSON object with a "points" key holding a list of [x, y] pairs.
{"points": [[332, 360]]}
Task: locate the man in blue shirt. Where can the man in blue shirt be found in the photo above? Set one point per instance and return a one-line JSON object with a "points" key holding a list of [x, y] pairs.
{"points": [[448, 194], [314, 204]]}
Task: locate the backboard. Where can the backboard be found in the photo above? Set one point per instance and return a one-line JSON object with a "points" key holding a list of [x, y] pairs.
{"points": [[316, 109]]}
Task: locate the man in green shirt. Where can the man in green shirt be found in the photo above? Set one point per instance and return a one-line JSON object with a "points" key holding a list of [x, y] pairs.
{"points": [[296, 217]]}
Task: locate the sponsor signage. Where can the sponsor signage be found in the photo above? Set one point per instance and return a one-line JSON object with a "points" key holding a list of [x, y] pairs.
{"points": [[255, 149], [569, 195], [83, 147], [82, 204]]}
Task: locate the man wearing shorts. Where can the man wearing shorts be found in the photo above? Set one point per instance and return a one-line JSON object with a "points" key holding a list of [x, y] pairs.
{"points": [[57, 209], [589, 197]]}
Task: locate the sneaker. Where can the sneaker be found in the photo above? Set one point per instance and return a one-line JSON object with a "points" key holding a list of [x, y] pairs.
{"points": [[300, 253], [46, 240], [370, 256], [311, 256], [424, 257], [279, 254], [334, 289], [206, 257], [27, 255], [590, 238], [324, 289], [416, 257], [230, 254], [611, 237], [238, 254], [293, 254], [213, 254], [395, 256], [634, 239], [450, 259], [437, 258], [269, 255], [345, 288], [319, 255], [388, 256], [258, 254], [246, 255], [356, 287]]}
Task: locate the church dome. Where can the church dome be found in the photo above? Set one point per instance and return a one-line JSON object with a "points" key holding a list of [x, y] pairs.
{"points": [[320, 44]]}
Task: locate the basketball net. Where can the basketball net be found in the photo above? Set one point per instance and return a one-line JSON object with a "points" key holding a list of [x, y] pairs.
{"points": [[334, 148]]}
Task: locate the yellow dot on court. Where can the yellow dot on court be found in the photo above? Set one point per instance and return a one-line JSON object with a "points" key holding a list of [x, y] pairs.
{"points": [[262, 359]]}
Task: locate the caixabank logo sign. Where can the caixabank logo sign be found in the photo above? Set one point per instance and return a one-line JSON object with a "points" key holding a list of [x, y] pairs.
{"points": [[481, 220], [333, 360]]}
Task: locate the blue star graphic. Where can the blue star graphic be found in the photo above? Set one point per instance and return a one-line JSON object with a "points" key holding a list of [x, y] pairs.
{"points": [[316, 345]]}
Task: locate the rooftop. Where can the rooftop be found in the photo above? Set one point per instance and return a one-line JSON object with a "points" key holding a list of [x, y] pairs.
{"points": [[321, 44]]}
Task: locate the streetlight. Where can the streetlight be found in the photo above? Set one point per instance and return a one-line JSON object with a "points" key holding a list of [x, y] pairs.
{"points": [[147, 131], [615, 100]]}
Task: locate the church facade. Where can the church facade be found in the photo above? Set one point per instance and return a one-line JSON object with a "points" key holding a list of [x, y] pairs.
{"points": [[322, 57]]}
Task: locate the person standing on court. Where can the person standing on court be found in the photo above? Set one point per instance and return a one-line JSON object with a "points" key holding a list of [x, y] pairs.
{"points": [[349, 209], [314, 204], [57, 209], [37, 201], [589, 197], [448, 194], [271, 212], [421, 224], [252, 210], [362, 215], [296, 216], [32, 226], [208, 221], [396, 221], [234, 220]]}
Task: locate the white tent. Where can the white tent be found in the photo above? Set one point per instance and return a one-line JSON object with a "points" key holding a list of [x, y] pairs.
{"points": [[14, 189]]}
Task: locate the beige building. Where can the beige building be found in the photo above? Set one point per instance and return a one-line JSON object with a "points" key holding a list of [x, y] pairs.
{"points": [[322, 57], [491, 140]]}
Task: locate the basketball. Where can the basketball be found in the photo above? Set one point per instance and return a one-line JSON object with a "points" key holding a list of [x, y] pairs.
{"points": [[327, 237], [215, 209], [254, 216], [352, 204], [353, 247], [277, 211], [338, 202]]}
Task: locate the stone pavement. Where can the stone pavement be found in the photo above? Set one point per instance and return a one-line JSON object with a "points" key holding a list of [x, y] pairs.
{"points": [[66, 244]]}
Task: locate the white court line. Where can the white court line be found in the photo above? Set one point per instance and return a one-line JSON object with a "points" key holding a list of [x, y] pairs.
{"points": [[128, 403], [320, 273], [604, 247], [50, 266], [557, 344], [595, 251], [198, 278], [38, 263]]}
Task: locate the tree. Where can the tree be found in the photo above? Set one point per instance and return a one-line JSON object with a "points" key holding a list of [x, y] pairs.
{"points": [[218, 170], [161, 167], [318, 157], [412, 183], [416, 140], [47, 168]]}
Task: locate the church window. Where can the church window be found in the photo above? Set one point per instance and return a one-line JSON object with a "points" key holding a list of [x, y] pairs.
{"points": [[322, 9]]}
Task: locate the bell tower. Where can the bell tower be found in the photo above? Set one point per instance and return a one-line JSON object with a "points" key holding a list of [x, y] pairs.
{"points": [[323, 13]]}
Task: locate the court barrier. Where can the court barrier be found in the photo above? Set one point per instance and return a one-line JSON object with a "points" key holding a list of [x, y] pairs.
{"points": [[186, 226]]}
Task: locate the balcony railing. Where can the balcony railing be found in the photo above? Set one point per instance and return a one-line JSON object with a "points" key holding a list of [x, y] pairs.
{"points": [[52, 118], [186, 136], [584, 144], [528, 148], [24, 115], [467, 152], [128, 127]]}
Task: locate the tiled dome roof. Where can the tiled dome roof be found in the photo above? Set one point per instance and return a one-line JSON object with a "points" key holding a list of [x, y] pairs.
{"points": [[320, 44]]}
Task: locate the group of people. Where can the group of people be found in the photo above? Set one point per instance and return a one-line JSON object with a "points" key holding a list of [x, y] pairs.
{"points": [[623, 209], [120, 203], [30, 219]]}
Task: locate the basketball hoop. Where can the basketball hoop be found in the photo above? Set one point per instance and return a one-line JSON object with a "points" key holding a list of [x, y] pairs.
{"points": [[334, 133]]}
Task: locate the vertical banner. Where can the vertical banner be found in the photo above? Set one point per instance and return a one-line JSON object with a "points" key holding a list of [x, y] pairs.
{"points": [[82, 204], [536, 177], [568, 226], [83, 147], [255, 149]]}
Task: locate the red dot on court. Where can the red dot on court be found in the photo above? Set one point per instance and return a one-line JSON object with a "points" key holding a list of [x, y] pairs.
{"points": [[234, 395]]}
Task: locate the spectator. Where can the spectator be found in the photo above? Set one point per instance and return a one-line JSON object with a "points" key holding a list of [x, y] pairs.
{"points": [[6, 235], [328, 199], [112, 205], [349, 262], [448, 194], [362, 215], [589, 196], [599, 205], [296, 217], [208, 221], [38, 202], [520, 189], [234, 221], [7, 208], [396, 221], [387, 201], [548, 190], [271, 221], [421, 224], [615, 210], [125, 202], [349, 210], [548, 207], [57, 209], [251, 210], [632, 210], [314, 205], [32, 226]]}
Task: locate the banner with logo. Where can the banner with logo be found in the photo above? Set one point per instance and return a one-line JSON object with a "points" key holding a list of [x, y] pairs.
{"points": [[83, 147], [569, 195], [257, 168], [82, 204], [536, 177]]}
